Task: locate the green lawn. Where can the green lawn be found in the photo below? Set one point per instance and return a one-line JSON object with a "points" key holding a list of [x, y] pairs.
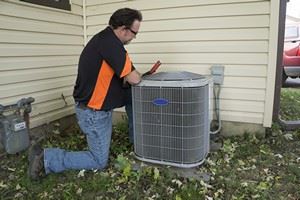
{"points": [[246, 167], [290, 103]]}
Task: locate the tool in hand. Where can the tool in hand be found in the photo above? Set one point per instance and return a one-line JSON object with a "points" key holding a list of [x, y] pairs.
{"points": [[153, 69]]}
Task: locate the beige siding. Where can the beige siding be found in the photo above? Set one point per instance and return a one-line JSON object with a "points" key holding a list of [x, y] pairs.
{"points": [[272, 63], [40, 47], [192, 35], [39, 51]]}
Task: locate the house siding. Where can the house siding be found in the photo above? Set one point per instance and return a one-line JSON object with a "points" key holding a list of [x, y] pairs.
{"points": [[193, 35], [39, 51], [40, 47]]}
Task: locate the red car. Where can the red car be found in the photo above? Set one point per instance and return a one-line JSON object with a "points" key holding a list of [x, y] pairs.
{"points": [[291, 54]]}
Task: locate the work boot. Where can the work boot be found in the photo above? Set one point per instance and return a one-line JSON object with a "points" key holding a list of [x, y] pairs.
{"points": [[34, 149], [36, 162]]}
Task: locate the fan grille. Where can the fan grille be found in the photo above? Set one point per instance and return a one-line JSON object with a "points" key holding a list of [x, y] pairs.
{"points": [[175, 131]]}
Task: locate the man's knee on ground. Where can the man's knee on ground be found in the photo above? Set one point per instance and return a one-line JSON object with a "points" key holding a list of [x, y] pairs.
{"points": [[102, 161]]}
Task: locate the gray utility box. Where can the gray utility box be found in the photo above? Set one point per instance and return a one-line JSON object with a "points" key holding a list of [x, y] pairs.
{"points": [[14, 134], [171, 118], [14, 121]]}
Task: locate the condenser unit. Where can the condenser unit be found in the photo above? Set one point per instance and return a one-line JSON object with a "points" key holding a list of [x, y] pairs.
{"points": [[171, 118]]}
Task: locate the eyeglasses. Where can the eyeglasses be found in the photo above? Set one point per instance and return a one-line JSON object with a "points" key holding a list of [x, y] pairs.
{"points": [[132, 31]]}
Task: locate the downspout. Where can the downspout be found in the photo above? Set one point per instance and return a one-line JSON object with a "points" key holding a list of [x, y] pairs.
{"points": [[279, 68], [84, 22]]}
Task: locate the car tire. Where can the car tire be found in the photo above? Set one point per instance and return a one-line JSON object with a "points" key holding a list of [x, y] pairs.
{"points": [[284, 77]]}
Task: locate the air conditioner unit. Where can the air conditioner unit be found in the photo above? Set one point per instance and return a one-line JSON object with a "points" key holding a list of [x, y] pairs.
{"points": [[171, 118]]}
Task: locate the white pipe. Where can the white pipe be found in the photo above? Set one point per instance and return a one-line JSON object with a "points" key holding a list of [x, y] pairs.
{"points": [[84, 22]]}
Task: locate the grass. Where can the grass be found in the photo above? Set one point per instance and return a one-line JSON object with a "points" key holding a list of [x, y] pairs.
{"points": [[290, 104], [246, 167]]}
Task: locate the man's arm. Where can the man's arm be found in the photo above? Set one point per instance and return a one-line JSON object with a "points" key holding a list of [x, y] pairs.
{"points": [[133, 78]]}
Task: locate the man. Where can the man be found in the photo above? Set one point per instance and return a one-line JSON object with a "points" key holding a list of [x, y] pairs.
{"points": [[104, 68]]}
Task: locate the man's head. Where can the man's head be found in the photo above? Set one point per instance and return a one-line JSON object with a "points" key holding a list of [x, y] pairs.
{"points": [[126, 23]]}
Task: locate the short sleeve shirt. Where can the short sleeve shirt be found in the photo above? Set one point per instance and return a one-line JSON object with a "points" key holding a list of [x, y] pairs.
{"points": [[103, 64]]}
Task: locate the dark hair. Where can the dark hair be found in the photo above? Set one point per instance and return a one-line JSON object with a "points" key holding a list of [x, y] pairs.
{"points": [[124, 16]]}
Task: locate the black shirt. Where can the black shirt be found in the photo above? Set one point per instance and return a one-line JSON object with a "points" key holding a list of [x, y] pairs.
{"points": [[102, 66]]}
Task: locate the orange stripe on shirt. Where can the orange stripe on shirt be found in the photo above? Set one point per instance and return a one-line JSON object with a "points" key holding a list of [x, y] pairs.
{"points": [[127, 67], [102, 85]]}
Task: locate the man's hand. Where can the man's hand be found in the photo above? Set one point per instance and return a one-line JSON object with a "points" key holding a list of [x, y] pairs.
{"points": [[132, 78]]}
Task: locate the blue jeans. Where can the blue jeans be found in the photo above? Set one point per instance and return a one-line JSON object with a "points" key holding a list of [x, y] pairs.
{"points": [[128, 108], [97, 126]]}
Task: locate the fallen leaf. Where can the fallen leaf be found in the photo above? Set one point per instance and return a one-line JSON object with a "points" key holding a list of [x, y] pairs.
{"points": [[262, 151], [288, 136], [270, 178], [255, 196], [18, 195], [2, 185], [278, 156], [177, 197], [56, 132], [208, 198], [262, 186], [244, 184], [79, 191], [122, 198], [18, 187], [210, 162], [242, 163], [156, 173], [170, 190], [81, 173], [178, 182], [221, 191], [43, 195], [11, 169], [152, 198], [205, 184], [266, 170]]}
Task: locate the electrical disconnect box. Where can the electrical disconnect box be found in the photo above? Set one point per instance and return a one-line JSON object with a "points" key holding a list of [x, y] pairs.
{"points": [[217, 72], [14, 125]]}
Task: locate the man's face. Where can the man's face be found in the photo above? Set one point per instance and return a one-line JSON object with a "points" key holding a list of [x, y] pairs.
{"points": [[130, 33]]}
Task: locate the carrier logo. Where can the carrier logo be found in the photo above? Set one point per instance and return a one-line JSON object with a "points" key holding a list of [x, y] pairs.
{"points": [[160, 102]]}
